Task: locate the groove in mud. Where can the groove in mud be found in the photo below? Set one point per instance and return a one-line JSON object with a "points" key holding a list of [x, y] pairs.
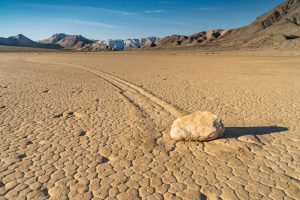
{"points": [[142, 104], [120, 84], [136, 107]]}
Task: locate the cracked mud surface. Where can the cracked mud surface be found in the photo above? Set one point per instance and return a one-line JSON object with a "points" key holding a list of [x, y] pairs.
{"points": [[96, 126]]}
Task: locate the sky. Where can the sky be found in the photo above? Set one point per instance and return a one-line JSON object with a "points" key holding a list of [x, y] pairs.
{"points": [[122, 19]]}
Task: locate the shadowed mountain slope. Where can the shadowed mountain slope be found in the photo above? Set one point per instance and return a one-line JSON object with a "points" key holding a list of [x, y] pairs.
{"points": [[277, 29]]}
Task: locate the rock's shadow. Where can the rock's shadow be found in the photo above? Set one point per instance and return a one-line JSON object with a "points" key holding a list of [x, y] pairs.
{"points": [[235, 132]]}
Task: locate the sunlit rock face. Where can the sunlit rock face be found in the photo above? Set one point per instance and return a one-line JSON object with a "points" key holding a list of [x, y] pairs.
{"points": [[199, 126]]}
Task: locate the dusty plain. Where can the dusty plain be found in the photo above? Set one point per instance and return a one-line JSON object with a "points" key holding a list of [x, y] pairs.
{"points": [[96, 126]]}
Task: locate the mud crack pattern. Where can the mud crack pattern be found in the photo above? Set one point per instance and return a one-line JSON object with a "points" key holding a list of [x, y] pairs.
{"points": [[78, 131]]}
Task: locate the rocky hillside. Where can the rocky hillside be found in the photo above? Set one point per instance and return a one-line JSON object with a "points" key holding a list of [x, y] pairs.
{"points": [[75, 42], [191, 40], [277, 29], [54, 38]]}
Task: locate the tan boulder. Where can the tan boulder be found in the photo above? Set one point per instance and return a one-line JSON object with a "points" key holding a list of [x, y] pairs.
{"points": [[200, 126]]}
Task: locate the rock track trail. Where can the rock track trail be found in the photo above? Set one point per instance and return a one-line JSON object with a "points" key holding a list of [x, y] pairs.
{"points": [[158, 114], [142, 100]]}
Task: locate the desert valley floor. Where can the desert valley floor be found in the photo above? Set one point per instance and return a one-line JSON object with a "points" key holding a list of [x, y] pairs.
{"points": [[96, 126]]}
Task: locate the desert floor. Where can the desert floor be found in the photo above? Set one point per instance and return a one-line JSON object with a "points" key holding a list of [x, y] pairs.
{"points": [[96, 126]]}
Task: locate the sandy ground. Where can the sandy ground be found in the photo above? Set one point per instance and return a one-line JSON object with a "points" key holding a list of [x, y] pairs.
{"points": [[96, 126]]}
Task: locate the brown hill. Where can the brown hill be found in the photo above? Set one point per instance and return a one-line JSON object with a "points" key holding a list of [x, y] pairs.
{"points": [[74, 42], [191, 40], [54, 38], [277, 29]]}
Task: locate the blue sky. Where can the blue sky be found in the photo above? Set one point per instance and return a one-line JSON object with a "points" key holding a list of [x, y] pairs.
{"points": [[121, 19]]}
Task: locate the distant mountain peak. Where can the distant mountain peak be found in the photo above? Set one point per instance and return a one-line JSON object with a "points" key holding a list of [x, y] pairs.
{"points": [[57, 34], [20, 36], [54, 38]]}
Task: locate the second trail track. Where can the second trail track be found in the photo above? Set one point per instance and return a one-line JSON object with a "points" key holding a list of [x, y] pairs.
{"points": [[146, 104]]}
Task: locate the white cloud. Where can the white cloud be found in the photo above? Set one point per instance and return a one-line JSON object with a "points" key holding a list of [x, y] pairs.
{"points": [[89, 23], [80, 8], [120, 12]]}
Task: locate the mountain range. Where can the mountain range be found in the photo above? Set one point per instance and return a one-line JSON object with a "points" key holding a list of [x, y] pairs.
{"points": [[279, 29], [77, 42]]}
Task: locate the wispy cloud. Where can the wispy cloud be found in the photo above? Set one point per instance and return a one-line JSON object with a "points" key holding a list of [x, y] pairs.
{"points": [[119, 12], [80, 8], [89, 23], [141, 15], [153, 11]]}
